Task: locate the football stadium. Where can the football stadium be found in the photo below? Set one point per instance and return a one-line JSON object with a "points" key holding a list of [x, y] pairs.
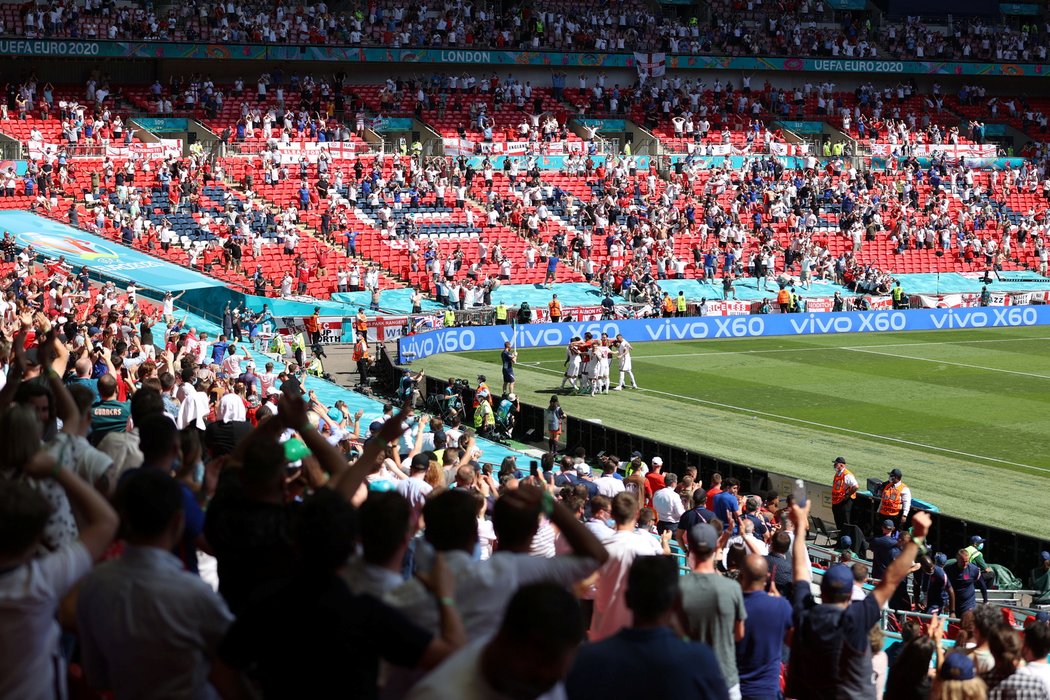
{"points": [[528, 351]]}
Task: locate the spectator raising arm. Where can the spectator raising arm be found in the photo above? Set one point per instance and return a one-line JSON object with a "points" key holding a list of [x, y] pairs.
{"points": [[902, 565], [99, 520]]}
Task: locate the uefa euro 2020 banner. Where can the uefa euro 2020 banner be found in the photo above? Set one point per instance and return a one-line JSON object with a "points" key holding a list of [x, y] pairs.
{"points": [[540, 335], [94, 49]]}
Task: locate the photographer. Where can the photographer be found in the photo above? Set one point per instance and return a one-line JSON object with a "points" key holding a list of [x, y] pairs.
{"points": [[408, 388]]}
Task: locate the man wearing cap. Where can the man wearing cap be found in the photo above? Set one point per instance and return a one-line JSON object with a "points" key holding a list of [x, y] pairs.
{"points": [[654, 480], [830, 650], [482, 393], [975, 551], [896, 499], [1039, 580], [713, 605], [696, 515], [932, 592], [844, 488], [884, 549]]}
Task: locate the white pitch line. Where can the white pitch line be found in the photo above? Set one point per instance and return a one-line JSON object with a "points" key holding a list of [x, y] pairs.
{"points": [[946, 362], [815, 348], [833, 427]]}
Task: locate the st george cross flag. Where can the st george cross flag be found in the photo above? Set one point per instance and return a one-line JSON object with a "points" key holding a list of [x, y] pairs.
{"points": [[650, 65]]}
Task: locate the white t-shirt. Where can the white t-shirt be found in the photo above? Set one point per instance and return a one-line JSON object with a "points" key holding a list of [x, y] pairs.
{"points": [[609, 486], [29, 597]]}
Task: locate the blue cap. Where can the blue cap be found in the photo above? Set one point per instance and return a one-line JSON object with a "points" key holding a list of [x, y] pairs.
{"points": [[1042, 616], [977, 539], [889, 523], [940, 558], [1045, 556], [957, 667], [846, 542], [837, 579]]}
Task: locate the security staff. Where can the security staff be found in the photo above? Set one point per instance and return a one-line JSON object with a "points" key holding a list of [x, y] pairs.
{"points": [[682, 305], [450, 318], [501, 314], [898, 296], [896, 500], [299, 348], [554, 308], [844, 488], [313, 326], [361, 324], [667, 306], [974, 551], [362, 359]]}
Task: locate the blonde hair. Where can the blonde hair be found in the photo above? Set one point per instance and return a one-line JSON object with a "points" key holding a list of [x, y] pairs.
{"points": [[973, 689]]}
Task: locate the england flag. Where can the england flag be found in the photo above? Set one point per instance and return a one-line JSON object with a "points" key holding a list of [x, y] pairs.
{"points": [[650, 65]]}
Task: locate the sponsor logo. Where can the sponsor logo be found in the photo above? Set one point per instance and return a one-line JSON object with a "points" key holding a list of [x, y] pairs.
{"points": [[68, 245]]}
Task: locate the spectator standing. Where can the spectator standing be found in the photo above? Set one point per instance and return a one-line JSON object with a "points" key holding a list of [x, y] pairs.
{"points": [[148, 627], [668, 505], [651, 661], [31, 587], [713, 605], [830, 650], [965, 578], [759, 655], [610, 605]]}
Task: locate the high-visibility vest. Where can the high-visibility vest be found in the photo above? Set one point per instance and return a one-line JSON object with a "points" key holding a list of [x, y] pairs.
{"points": [[783, 297], [360, 351], [668, 304], [892, 499], [555, 308], [501, 312], [361, 323], [898, 292], [298, 342], [450, 318], [310, 323], [681, 302], [838, 487]]}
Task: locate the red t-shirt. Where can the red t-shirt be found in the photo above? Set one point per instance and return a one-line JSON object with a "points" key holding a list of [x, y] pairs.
{"points": [[711, 497]]}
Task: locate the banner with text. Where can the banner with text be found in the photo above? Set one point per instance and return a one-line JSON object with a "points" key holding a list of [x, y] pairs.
{"points": [[709, 328]]}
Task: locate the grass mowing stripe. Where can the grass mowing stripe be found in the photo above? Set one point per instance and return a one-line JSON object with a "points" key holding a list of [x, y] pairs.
{"points": [[946, 362], [826, 426]]}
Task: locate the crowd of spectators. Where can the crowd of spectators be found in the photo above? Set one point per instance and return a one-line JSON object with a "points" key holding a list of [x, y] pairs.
{"points": [[733, 27], [255, 541]]}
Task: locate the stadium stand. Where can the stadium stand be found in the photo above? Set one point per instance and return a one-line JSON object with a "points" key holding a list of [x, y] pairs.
{"points": [[269, 519]]}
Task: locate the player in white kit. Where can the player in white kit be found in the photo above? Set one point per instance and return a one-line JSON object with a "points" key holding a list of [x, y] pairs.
{"points": [[600, 378], [623, 352], [572, 361]]}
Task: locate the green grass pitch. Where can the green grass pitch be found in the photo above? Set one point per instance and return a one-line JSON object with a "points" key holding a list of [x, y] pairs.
{"points": [[964, 414]]}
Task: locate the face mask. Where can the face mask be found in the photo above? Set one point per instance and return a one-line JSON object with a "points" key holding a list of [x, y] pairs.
{"points": [[980, 546], [198, 472], [610, 523]]}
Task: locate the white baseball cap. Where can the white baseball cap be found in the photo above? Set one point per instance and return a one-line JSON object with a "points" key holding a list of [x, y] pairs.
{"points": [[657, 461]]}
